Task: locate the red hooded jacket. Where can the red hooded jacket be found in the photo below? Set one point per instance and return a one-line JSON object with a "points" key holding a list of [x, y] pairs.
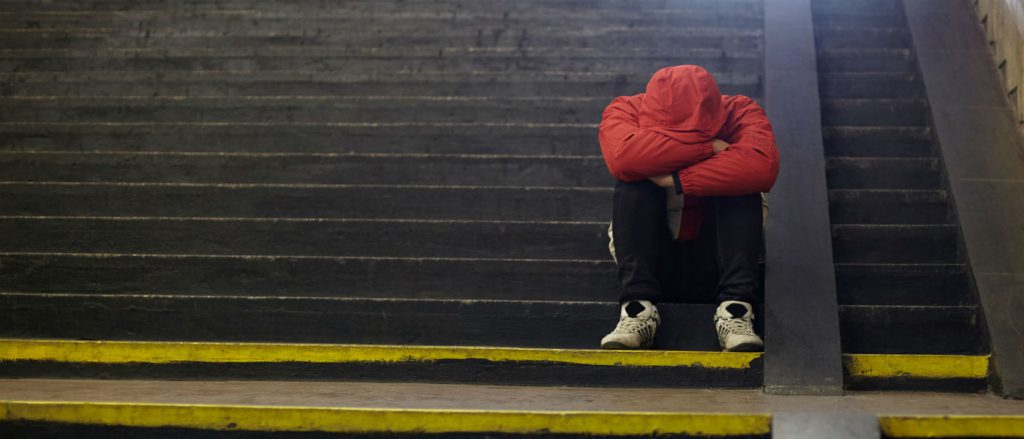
{"points": [[670, 129]]}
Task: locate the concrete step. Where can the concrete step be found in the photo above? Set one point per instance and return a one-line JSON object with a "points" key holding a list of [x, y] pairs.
{"points": [[886, 206], [862, 38], [902, 329], [87, 408], [896, 243], [845, 141], [866, 85], [171, 85], [309, 109], [912, 284], [866, 60], [335, 19], [421, 322], [497, 203], [307, 237], [382, 8], [323, 168], [371, 59], [872, 7], [322, 361], [875, 112], [524, 35], [884, 173], [862, 18], [267, 276], [276, 140]]}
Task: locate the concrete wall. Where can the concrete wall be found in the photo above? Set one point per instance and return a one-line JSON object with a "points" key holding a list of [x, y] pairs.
{"points": [[1003, 22]]}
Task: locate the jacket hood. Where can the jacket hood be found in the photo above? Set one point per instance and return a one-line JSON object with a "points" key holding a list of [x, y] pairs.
{"points": [[683, 102]]}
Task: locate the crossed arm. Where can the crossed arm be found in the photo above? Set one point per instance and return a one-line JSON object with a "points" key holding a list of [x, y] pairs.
{"points": [[748, 163]]}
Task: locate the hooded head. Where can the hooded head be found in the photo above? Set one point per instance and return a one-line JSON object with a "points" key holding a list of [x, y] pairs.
{"points": [[683, 102]]}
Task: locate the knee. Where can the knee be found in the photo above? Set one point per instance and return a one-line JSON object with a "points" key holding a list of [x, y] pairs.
{"points": [[638, 194], [638, 189]]}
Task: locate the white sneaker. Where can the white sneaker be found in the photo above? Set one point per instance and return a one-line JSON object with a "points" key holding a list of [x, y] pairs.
{"points": [[638, 320], [734, 321]]}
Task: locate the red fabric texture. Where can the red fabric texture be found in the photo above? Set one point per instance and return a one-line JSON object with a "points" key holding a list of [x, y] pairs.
{"points": [[670, 128]]}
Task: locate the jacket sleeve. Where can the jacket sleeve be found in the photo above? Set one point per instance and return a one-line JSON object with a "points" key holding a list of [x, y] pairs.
{"points": [[632, 153], [750, 164]]}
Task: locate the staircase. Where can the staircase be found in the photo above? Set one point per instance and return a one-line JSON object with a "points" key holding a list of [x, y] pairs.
{"points": [[419, 176], [271, 218], [902, 280]]}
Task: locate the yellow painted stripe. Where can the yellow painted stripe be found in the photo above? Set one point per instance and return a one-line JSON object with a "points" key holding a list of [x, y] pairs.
{"points": [[952, 426], [366, 420], [916, 366], [77, 351]]}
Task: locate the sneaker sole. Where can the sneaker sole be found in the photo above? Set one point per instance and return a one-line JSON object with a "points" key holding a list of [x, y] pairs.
{"points": [[746, 347], [619, 346]]}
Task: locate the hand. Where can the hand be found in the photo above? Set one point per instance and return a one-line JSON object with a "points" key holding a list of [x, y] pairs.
{"points": [[663, 180], [719, 145]]}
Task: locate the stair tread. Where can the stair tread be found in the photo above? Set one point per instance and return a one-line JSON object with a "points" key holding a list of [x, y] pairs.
{"points": [[299, 276], [468, 396]]}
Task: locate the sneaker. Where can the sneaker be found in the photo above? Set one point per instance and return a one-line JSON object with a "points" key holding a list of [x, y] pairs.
{"points": [[637, 322], [734, 321]]}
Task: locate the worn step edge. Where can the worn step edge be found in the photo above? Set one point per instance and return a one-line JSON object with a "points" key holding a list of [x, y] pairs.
{"points": [[389, 420], [922, 372], [915, 426], [916, 366], [384, 420], [116, 351]]}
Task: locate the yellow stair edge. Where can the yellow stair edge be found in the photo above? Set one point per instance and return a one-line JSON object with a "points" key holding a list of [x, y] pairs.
{"points": [[381, 420], [110, 351], [391, 420], [916, 426], [916, 366]]}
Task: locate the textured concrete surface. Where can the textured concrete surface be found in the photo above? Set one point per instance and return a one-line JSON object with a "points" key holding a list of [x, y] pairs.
{"points": [[446, 396]]}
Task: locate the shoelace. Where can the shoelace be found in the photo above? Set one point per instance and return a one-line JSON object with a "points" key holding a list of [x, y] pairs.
{"points": [[737, 326], [630, 324]]}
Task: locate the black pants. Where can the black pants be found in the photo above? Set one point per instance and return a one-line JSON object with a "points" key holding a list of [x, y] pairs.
{"points": [[721, 263]]}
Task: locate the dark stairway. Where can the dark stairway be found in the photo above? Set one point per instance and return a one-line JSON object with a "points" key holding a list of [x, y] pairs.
{"points": [[404, 173], [902, 279]]}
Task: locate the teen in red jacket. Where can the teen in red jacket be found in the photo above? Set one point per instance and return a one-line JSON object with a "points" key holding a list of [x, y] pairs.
{"points": [[684, 143]]}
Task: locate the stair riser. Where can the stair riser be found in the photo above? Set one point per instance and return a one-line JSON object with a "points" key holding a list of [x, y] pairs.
{"points": [[883, 174], [313, 87], [865, 18], [869, 207], [876, 86], [516, 140], [742, 21], [499, 8], [471, 372], [369, 238], [436, 170], [935, 285], [587, 281], [867, 60], [862, 38], [874, 113], [928, 330], [895, 244], [863, 7], [387, 37], [877, 141], [589, 83], [537, 324], [358, 202], [453, 63], [314, 111]]}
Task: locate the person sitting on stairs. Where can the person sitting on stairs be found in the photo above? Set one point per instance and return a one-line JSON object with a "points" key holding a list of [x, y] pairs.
{"points": [[684, 152]]}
